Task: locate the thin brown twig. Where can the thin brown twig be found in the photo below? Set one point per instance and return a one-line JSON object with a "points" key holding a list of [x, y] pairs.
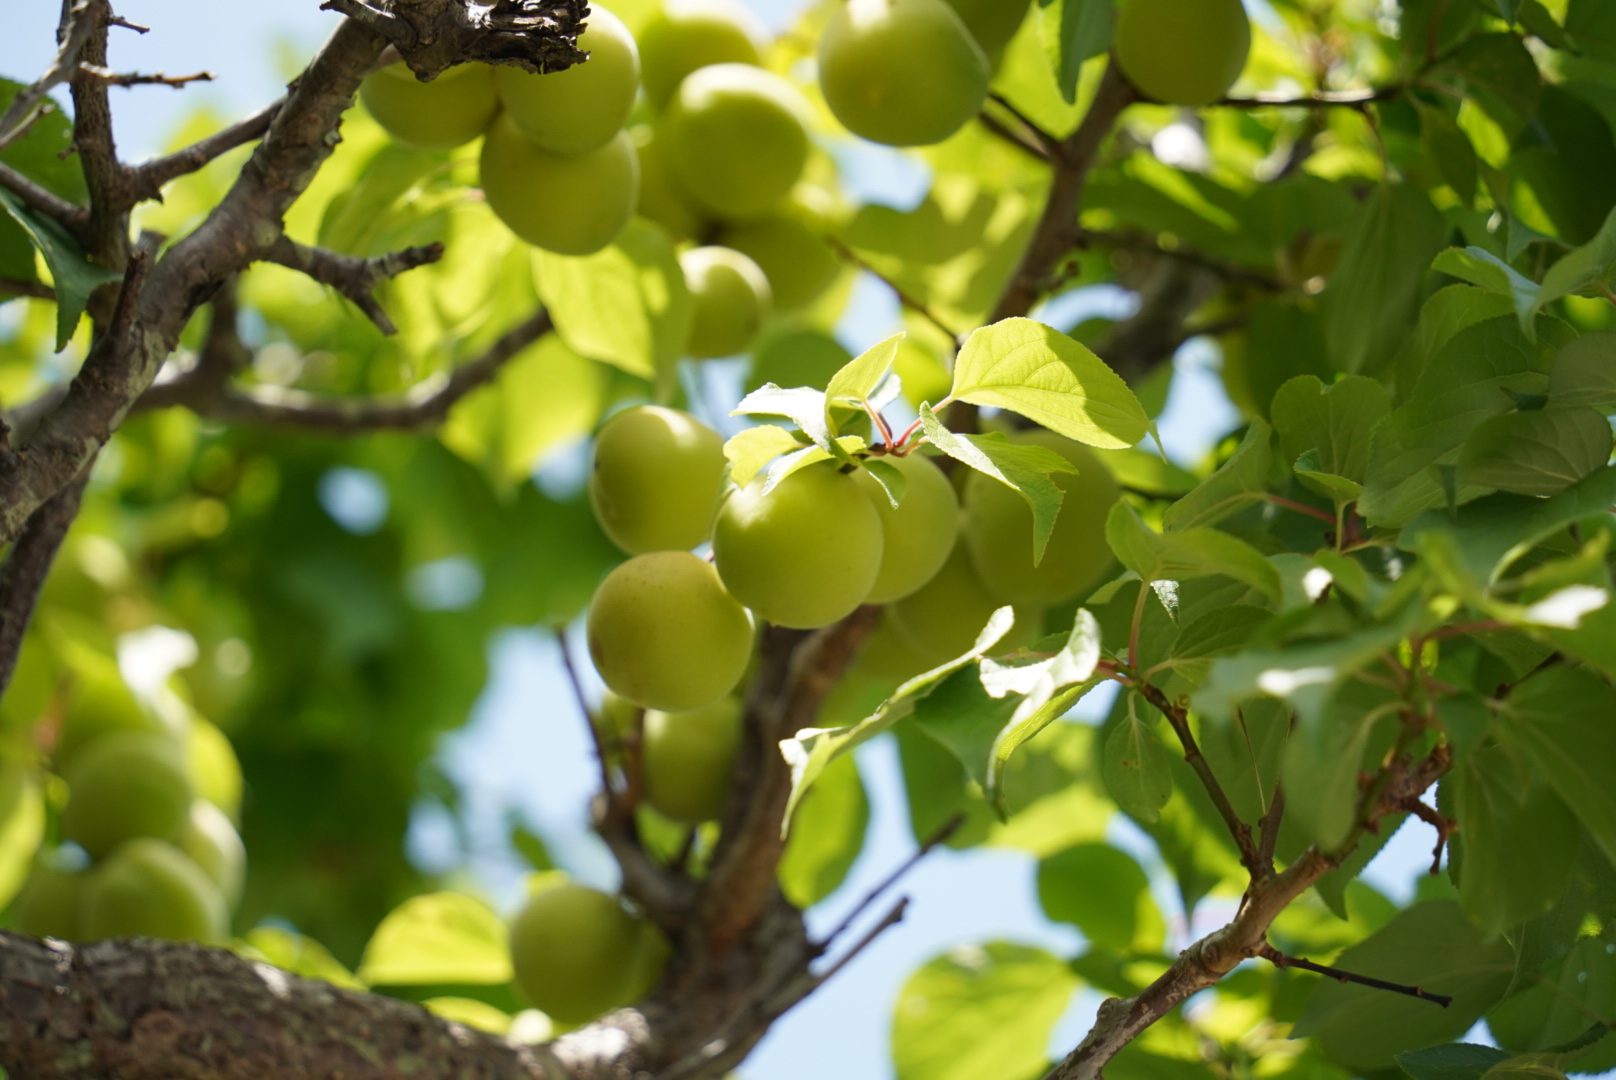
{"points": [[37, 290], [590, 720], [935, 840], [74, 31], [1049, 143], [128, 79], [908, 300], [36, 197], [1010, 135], [151, 176], [354, 277], [1268, 829], [1445, 827], [1280, 960], [1349, 99]]}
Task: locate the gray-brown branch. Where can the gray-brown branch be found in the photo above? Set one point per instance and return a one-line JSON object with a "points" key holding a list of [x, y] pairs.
{"points": [[434, 35], [150, 177], [354, 277], [26, 566]]}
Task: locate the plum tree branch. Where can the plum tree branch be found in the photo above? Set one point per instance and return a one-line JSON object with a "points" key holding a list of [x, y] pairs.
{"points": [[151, 176], [354, 277], [27, 564], [72, 33], [1280, 960], [905, 298]]}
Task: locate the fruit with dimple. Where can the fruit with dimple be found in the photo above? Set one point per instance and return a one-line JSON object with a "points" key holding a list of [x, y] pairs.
{"points": [[998, 529], [153, 889], [568, 204], [919, 534], [582, 108], [693, 34], [48, 905], [991, 22], [736, 139], [1183, 52], [805, 554], [213, 844], [686, 758], [574, 950], [789, 247], [664, 633], [730, 300], [901, 72], [447, 112], [124, 785], [942, 620], [656, 479]]}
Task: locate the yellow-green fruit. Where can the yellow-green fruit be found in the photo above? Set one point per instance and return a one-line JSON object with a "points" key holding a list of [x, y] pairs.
{"points": [[153, 889], [664, 633], [998, 529], [729, 301], [656, 479], [101, 703], [661, 199], [585, 106], [650, 958], [213, 844], [789, 247], [686, 758], [126, 784], [736, 139], [616, 718], [447, 112], [943, 619], [991, 22], [568, 204], [692, 34], [211, 763], [574, 950], [48, 905], [919, 534], [887, 657], [805, 554], [901, 72], [1183, 52]]}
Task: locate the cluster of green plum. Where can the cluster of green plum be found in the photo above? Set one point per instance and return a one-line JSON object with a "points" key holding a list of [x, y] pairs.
{"points": [[150, 801]]}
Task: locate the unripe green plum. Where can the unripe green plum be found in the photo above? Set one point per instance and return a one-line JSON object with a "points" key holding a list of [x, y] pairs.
{"points": [[805, 554], [656, 479], [665, 634], [151, 888], [901, 72], [998, 529], [616, 718], [101, 703], [447, 112], [585, 106], [568, 204], [1183, 52], [213, 767], [126, 784], [887, 657], [730, 301], [661, 198], [213, 844], [919, 534], [991, 22], [737, 140], [789, 247], [574, 951], [943, 619], [693, 34], [49, 903], [650, 959], [686, 758]]}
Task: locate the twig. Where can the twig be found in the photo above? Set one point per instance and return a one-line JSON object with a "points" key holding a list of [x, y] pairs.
{"points": [[1280, 960], [119, 20], [1444, 826], [27, 565], [74, 31], [1010, 135], [589, 714], [352, 276], [1301, 508], [890, 919], [905, 298], [114, 78], [72, 216], [1049, 143], [941, 836], [38, 290], [1138, 242], [1268, 829], [150, 177]]}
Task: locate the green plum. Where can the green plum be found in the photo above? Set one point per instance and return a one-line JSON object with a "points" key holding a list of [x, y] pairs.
{"points": [[998, 529], [737, 139], [901, 72], [212, 842], [943, 619], [568, 204], [126, 784], [447, 112], [584, 107], [804, 555], [151, 888], [664, 633], [576, 952], [100, 703], [211, 763], [656, 480], [730, 301], [661, 198], [919, 534], [650, 959], [686, 758], [49, 903], [789, 247], [887, 657], [1183, 52], [991, 22], [692, 34], [616, 719]]}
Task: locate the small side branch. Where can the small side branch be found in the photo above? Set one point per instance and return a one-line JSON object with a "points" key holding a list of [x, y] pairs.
{"points": [[25, 108], [150, 177], [1445, 827], [27, 565], [933, 842], [114, 78], [353, 277], [905, 298], [38, 290], [72, 216], [1280, 960]]}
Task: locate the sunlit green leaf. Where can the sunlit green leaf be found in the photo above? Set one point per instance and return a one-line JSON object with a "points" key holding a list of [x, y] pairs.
{"points": [[828, 835], [437, 938], [72, 274], [1559, 720], [1541, 452], [1192, 553], [1136, 769]]}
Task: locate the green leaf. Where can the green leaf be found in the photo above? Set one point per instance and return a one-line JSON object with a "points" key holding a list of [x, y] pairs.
{"points": [[1327, 484], [22, 827], [1137, 773], [1542, 452], [1104, 893], [1335, 422], [1481, 267], [859, 379], [803, 406], [841, 449], [1039, 372], [980, 1012], [1019, 466], [1301, 674], [1431, 945], [1452, 1061], [478, 1015], [1584, 373], [892, 482], [72, 274], [627, 306], [1241, 481], [1447, 145], [1560, 721], [1221, 630], [828, 837], [1192, 553], [1499, 74], [750, 450], [1583, 266], [1448, 311], [44, 155], [1073, 32], [298, 954], [438, 938]]}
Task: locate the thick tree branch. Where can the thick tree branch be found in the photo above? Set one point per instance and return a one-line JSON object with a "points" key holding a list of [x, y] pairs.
{"points": [[106, 235], [27, 564], [353, 277], [434, 35]]}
